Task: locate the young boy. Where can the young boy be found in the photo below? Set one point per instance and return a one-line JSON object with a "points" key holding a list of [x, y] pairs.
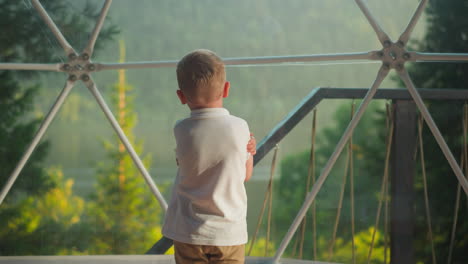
{"points": [[206, 217]]}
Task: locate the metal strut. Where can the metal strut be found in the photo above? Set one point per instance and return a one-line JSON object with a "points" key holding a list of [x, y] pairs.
{"points": [[97, 29], [371, 55], [53, 27], [136, 159], [40, 133], [434, 129]]}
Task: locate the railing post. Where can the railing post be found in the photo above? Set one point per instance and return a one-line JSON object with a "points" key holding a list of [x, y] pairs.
{"points": [[402, 178]]}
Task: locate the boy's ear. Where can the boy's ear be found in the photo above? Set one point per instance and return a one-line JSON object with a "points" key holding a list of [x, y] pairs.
{"points": [[226, 88], [181, 96]]}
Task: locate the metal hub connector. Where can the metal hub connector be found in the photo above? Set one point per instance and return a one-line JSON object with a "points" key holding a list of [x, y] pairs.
{"points": [[393, 55], [78, 65]]}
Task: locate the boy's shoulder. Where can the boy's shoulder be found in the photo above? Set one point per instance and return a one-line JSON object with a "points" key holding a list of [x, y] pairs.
{"points": [[231, 118], [178, 122], [237, 119], [227, 124]]}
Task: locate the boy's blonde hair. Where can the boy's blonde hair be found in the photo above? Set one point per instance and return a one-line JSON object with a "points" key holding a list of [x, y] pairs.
{"points": [[201, 76]]}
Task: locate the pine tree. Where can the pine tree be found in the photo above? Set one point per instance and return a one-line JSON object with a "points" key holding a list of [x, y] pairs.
{"points": [[447, 31], [123, 211]]}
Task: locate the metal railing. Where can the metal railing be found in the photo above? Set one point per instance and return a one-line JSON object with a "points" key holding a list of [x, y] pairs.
{"points": [[311, 101]]}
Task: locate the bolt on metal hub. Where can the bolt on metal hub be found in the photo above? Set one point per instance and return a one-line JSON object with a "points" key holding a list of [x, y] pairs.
{"points": [[84, 77], [91, 67], [72, 77], [84, 56], [72, 56], [66, 67], [78, 65]]}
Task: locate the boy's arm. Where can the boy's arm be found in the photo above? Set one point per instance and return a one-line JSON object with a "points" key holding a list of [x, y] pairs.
{"points": [[252, 149], [248, 168], [252, 145]]}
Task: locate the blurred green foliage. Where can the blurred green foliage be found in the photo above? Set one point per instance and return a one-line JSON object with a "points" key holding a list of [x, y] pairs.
{"points": [[41, 203], [446, 32]]}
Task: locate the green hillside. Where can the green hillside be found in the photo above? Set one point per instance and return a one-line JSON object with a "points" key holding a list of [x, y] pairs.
{"points": [[263, 95]]}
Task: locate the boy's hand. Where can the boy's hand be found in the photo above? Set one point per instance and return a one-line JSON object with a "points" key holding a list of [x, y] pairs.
{"points": [[252, 145]]}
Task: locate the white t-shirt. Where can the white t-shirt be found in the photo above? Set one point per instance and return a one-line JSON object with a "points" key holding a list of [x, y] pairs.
{"points": [[209, 203]]}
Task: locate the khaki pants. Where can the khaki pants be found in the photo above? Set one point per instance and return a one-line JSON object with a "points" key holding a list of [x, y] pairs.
{"points": [[197, 254]]}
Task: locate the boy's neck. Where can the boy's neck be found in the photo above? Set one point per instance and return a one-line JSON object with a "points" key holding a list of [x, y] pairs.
{"points": [[214, 104]]}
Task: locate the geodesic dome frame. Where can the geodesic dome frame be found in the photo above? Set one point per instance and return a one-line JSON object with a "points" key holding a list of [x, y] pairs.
{"points": [[393, 55]]}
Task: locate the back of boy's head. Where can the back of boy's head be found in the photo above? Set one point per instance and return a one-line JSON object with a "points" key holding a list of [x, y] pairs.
{"points": [[201, 76]]}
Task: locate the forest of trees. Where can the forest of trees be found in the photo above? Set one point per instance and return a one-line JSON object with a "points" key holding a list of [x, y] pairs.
{"points": [[81, 194]]}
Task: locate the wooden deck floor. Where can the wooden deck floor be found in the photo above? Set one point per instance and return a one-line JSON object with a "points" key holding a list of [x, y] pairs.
{"points": [[125, 259]]}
